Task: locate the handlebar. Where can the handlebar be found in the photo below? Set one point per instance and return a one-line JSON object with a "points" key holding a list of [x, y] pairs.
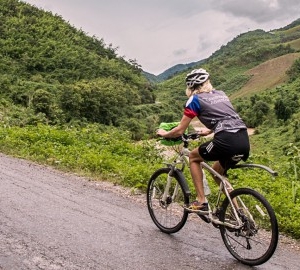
{"points": [[191, 136], [185, 138]]}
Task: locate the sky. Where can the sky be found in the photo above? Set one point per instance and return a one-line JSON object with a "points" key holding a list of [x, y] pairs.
{"points": [[159, 34]]}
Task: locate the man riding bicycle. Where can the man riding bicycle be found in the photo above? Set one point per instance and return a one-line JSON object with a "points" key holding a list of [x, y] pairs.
{"points": [[230, 143]]}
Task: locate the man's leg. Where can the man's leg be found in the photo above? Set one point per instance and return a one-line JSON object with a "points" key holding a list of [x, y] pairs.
{"points": [[219, 169], [197, 174]]}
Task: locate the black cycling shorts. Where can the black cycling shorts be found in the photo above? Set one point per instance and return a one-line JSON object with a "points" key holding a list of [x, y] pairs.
{"points": [[226, 147]]}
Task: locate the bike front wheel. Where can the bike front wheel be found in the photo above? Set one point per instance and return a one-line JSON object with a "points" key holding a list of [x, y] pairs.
{"points": [[165, 200], [255, 242]]}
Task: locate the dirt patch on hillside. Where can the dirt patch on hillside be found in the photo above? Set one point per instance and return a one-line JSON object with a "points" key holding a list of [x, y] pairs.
{"points": [[267, 75]]}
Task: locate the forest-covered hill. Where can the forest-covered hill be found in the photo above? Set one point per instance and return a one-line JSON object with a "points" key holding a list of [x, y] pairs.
{"points": [[51, 72], [54, 73]]}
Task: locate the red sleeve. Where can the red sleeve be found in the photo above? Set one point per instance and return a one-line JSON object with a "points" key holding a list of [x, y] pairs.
{"points": [[189, 113]]}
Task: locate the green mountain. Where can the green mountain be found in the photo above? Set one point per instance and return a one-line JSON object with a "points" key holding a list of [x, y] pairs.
{"points": [[260, 72], [171, 72], [53, 73]]}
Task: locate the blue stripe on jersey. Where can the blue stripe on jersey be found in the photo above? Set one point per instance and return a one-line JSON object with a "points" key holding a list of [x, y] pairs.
{"points": [[192, 107]]}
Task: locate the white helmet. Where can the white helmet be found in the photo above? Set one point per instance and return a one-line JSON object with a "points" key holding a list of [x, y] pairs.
{"points": [[196, 77]]}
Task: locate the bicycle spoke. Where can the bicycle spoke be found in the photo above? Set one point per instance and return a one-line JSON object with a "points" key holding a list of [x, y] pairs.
{"points": [[233, 239]]}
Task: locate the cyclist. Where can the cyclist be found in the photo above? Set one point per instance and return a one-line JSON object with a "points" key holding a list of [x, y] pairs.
{"points": [[230, 142]]}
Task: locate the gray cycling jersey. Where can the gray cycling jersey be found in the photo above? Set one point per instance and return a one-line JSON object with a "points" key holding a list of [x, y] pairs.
{"points": [[215, 111]]}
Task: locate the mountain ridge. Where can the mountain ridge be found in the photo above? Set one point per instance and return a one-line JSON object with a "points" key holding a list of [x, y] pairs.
{"points": [[168, 73]]}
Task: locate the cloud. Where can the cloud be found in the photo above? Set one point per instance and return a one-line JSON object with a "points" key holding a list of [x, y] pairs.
{"points": [[179, 52], [160, 34], [259, 11]]}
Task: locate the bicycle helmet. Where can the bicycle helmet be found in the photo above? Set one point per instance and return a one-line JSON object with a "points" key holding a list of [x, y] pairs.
{"points": [[196, 77]]}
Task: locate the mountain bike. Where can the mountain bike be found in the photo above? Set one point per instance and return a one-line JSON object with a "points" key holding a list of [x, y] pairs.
{"points": [[246, 220]]}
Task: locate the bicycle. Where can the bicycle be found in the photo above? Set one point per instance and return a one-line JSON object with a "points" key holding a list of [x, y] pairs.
{"points": [[249, 231]]}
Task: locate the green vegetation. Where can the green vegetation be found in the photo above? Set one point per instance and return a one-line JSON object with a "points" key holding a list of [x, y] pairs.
{"points": [[94, 150], [69, 101], [50, 69]]}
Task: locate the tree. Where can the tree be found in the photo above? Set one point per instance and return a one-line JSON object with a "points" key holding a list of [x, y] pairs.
{"points": [[42, 102], [282, 110], [286, 104]]}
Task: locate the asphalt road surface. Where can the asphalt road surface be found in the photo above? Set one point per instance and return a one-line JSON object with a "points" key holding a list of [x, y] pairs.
{"points": [[52, 220]]}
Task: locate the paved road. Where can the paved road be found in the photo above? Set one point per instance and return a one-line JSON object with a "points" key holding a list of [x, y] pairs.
{"points": [[51, 220]]}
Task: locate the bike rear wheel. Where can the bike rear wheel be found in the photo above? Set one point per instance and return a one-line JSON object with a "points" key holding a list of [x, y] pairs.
{"points": [[165, 200], [256, 241]]}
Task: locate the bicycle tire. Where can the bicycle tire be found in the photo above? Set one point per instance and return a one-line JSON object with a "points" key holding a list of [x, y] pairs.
{"points": [[168, 216], [255, 242]]}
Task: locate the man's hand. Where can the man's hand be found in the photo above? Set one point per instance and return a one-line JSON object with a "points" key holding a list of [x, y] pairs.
{"points": [[161, 132], [203, 131]]}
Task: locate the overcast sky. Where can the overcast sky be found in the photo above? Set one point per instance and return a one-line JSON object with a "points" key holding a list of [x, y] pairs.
{"points": [[162, 33]]}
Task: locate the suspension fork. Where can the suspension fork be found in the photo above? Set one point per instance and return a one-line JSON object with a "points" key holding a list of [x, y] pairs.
{"points": [[168, 185], [181, 159]]}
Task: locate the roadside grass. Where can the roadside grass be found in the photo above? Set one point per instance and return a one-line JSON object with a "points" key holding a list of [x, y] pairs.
{"points": [[100, 153], [108, 154]]}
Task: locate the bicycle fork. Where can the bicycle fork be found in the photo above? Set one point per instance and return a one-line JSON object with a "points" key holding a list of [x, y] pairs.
{"points": [[166, 198]]}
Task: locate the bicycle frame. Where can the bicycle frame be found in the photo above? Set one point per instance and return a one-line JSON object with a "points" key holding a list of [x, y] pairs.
{"points": [[182, 159], [222, 189], [246, 220]]}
